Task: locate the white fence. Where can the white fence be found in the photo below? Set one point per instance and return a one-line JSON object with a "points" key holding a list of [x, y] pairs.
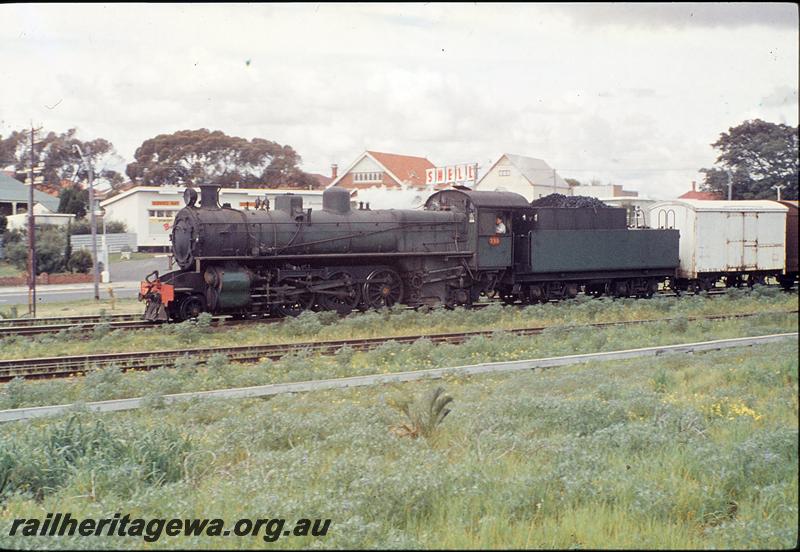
{"points": [[116, 242]]}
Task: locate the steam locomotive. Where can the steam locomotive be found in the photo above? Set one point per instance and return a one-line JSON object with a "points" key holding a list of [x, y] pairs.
{"points": [[283, 259]]}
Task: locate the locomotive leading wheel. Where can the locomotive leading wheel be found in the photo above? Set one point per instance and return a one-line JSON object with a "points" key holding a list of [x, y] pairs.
{"points": [[191, 307], [383, 288], [342, 299]]}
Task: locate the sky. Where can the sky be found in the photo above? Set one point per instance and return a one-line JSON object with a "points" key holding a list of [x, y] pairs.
{"points": [[632, 94]]}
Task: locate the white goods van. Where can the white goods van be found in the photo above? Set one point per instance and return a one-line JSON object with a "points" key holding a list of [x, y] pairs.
{"points": [[725, 238]]}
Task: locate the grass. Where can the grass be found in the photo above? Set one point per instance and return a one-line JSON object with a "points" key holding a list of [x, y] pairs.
{"points": [[218, 373], [9, 270], [78, 308], [695, 451], [395, 322]]}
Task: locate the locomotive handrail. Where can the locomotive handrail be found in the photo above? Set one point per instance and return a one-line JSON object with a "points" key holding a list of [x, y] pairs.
{"points": [[290, 245]]}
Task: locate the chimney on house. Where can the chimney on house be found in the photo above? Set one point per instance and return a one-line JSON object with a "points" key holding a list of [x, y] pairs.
{"points": [[334, 171], [693, 185]]}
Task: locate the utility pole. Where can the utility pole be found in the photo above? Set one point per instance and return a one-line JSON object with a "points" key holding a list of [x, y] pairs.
{"points": [[778, 187], [554, 181], [93, 221], [31, 239], [730, 184], [30, 181]]}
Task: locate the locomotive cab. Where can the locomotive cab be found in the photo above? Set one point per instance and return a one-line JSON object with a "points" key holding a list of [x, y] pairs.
{"points": [[490, 219]]}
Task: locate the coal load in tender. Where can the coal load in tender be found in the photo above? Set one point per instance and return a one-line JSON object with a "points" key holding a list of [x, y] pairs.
{"points": [[572, 202]]}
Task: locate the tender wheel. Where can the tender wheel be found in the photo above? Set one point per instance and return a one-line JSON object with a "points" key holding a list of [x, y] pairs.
{"points": [[383, 288], [536, 294], [621, 288], [343, 298], [191, 307], [595, 290]]}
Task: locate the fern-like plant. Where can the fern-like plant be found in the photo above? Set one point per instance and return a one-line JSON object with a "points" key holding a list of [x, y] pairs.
{"points": [[423, 416]]}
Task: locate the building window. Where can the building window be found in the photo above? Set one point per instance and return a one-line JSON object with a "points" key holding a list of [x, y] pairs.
{"points": [[367, 177], [505, 172], [157, 213]]}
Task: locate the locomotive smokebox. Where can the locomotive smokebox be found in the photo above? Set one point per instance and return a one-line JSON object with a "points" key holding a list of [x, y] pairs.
{"points": [[336, 200], [209, 197]]}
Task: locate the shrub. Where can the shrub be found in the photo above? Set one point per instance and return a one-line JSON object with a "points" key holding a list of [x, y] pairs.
{"points": [[50, 243], [204, 321], [423, 415], [43, 460], [83, 226], [80, 261]]}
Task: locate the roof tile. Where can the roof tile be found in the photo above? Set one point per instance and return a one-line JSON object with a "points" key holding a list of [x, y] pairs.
{"points": [[408, 168]]}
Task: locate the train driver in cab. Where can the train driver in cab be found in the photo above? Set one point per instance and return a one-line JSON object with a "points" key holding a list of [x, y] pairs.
{"points": [[500, 227]]}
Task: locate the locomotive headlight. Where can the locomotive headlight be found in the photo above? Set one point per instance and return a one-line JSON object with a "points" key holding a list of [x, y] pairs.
{"points": [[190, 197], [182, 242]]}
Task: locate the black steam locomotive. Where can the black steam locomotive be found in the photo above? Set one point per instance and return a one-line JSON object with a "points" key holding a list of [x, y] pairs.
{"points": [[287, 259]]}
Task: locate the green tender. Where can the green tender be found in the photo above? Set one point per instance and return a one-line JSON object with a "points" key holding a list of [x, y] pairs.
{"points": [[593, 250]]}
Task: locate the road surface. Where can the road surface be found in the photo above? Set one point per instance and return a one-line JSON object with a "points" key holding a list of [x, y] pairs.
{"points": [[125, 278]]}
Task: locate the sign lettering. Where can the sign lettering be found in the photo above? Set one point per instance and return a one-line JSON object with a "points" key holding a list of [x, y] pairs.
{"points": [[451, 174]]}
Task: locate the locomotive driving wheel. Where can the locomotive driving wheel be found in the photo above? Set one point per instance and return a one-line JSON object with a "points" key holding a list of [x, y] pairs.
{"points": [[344, 297], [383, 288], [298, 299]]}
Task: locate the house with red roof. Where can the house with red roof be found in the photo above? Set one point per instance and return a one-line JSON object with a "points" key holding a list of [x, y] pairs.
{"points": [[373, 169], [694, 194]]}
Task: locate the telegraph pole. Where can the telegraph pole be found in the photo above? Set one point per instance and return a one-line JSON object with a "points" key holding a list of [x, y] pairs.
{"points": [[31, 238], [30, 181], [730, 185], [92, 220]]}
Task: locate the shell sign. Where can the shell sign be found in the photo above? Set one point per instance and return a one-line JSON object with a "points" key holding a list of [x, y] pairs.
{"points": [[451, 174]]}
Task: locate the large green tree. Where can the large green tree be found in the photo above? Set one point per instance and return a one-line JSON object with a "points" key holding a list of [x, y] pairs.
{"points": [[74, 199], [205, 157], [758, 155], [61, 161]]}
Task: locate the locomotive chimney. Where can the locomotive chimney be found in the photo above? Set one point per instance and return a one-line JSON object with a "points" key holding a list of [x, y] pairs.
{"points": [[209, 197], [334, 171]]}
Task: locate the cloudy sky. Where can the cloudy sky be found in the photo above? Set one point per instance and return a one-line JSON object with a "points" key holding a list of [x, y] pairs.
{"points": [[629, 93]]}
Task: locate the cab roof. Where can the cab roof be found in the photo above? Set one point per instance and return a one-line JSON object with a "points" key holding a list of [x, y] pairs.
{"points": [[480, 199]]}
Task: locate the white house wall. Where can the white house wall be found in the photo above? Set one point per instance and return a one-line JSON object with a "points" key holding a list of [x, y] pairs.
{"points": [[516, 182]]}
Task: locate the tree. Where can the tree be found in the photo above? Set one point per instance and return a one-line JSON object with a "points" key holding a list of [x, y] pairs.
{"points": [[61, 161], [11, 148], [195, 157], [572, 182], [75, 200], [758, 155]]}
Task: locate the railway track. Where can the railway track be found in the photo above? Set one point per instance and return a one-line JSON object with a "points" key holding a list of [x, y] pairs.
{"points": [[50, 367], [85, 319], [83, 325], [117, 405]]}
